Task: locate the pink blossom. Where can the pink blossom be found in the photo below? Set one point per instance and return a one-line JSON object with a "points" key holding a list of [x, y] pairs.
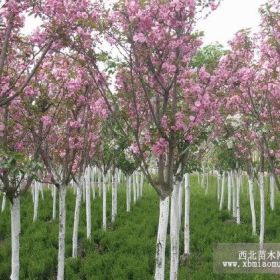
{"points": [[47, 121], [192, 118], [179, 121], [139, 37], [160, 147], [134, 148]]}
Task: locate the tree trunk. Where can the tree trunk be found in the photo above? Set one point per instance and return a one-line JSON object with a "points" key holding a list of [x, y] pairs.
{"points": [[229, 192], [218, 186], [174, 232], [3, 202], [238, 186], [222, 198], [134, 188], [233, 186], [41, 190], [187, 216], [262, 208], [180, 204], [141, 184], [104, 194], [252, 203], [114, 197], [76, 222], [128, 193], [161, 238], [15, 232], [61, 234], [88, 203], [99, 183], [207, 182], [36, 201], [272, 192], [92, 182]]}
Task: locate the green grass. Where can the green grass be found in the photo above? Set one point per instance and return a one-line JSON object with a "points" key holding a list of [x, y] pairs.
{"points": [[126, 250]]}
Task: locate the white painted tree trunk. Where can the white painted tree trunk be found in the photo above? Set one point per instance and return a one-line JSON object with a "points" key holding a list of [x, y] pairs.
{"points": [[41, 190], [252, 204], [174, 232], [88, 203], [229, 192], [54, 191], [180, 204], [134, 188], [203, 177], [84, 191], [233, 186], [15, 232], [76, 222], [92, 182], [222, 198], [3, 202], [218, 187], [128, 193], [36, 201], [141, 183], [61, 233], [262, 208], [187, 216], [272, 192], [238, 186], [207, 182], [114, 197], [161, 238], [104, 194], [137, 185]]}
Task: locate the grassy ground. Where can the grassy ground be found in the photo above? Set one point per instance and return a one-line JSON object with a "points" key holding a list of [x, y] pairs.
{"points": [[126, 250]]}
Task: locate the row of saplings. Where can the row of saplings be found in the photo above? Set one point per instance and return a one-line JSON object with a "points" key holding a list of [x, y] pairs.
{"points": [[95, 182]]}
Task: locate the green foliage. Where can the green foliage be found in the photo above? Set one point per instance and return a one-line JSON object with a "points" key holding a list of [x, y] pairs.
{"points": [[208, 56], [126, 251], [15, 164]]}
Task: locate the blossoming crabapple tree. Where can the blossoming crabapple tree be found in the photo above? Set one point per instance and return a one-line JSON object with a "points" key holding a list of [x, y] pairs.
{"points": [[154, 83]]}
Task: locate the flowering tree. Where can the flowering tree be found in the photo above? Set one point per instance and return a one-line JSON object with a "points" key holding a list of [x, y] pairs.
{"points": [[160, 97], [73, 126]]}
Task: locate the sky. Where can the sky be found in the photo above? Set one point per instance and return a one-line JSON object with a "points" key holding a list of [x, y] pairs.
{"points": [[231, 16], [221, 25]]}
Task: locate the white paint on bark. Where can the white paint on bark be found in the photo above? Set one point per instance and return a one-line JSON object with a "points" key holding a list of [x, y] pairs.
{"points": [[76, 222], [36, 201], [238, 186], [161, 238], [88, 202], [272, 192], [222, 197], [3, 202], [15, 233], [114, 196], [233, 186], [61, 233], [187, 216], [252, 203], [104, 196], [128, 193], [174, 232], [229, 192], [262, 208]]}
